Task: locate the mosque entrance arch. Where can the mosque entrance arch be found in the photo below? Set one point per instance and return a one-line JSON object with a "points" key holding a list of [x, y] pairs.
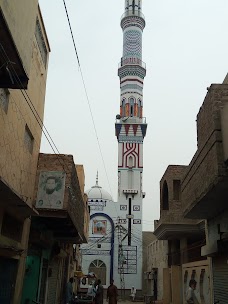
{"points": [[100, 269]]}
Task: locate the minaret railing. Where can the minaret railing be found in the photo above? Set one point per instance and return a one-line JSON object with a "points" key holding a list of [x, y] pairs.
{"points": [[132, 13], [132, 61]]}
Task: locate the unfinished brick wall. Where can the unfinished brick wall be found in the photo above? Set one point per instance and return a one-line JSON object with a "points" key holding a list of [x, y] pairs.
{"points": [[207, 165], [174, 211], [73, 199]]}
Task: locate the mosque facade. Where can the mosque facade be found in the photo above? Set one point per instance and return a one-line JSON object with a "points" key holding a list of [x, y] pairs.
{"points": [[114, 250]]}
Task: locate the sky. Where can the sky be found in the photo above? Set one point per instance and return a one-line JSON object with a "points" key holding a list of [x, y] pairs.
{"points": [[185, 48]]}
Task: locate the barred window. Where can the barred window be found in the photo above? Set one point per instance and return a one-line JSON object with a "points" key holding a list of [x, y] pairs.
{"points": [[4, 99], [28, 139], [41, 42]]}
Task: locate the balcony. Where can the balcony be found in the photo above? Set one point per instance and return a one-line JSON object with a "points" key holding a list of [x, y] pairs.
{"points": [[59, 199], [205, 184], [132, 61], [132, 13], [131, 120], [165, 230]]}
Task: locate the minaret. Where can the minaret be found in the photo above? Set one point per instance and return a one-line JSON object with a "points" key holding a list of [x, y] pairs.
{"points": [[130, 132]]}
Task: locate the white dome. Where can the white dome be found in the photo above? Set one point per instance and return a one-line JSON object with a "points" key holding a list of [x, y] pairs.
{"points": [[96, 193]]}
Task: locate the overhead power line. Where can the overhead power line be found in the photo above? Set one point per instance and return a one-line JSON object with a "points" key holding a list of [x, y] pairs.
{"points": [[87, 96]]}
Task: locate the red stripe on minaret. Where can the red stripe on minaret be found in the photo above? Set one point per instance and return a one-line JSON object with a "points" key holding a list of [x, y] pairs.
{"points": [[135, 128], [131, 80], [127, 128]]}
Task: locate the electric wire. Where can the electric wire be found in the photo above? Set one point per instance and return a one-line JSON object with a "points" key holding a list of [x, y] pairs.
{"points": [[87, 96]]}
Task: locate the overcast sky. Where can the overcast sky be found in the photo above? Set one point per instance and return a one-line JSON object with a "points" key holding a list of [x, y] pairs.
{"points": [[185, 47]]}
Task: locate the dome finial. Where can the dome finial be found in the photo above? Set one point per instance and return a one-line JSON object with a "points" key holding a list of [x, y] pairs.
{"points": [[97, 179]]}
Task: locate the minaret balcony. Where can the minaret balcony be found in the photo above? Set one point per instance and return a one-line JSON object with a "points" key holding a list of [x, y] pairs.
{"points": [[130, 191], [133, 13], [131, 120], [132, 61]]}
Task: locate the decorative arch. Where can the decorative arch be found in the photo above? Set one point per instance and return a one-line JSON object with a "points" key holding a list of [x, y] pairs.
{"points": [[99, 268], [139, 107], [165, 196], [131, 106], [123, 107], [112, 239]]}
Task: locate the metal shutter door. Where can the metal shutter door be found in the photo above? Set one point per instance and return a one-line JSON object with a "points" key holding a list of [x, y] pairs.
{"points": [[52, 281], [220, 279]]}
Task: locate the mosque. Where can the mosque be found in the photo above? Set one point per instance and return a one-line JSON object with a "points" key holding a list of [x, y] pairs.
{"points": [[114, 250]]}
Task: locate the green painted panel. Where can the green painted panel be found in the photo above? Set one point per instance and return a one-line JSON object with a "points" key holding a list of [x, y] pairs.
{"points": [[31, 279]]}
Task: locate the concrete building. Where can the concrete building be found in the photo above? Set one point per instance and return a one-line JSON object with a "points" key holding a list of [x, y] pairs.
{"points": [[157, 261], [147, 237], [24, 51], [185, 238], [53, 251], [193, 211], [205, 186]]}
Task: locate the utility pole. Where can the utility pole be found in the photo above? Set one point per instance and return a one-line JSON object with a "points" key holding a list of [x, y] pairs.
{"points": [[121, 258]]}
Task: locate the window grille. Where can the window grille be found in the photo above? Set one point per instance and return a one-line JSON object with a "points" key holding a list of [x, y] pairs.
{"points": [[41, 42], [28, 139], [4, 99]]}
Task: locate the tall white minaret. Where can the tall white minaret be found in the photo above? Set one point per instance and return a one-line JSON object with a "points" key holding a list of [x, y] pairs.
{"points": [[130, 132]]}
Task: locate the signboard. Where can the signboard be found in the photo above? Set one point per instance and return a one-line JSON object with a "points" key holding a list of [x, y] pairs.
{"points": [[127, 262], [136, 208], [136, 221], [96, 203], [99, 226], [51, 187], [123, 207], [122, 221]]}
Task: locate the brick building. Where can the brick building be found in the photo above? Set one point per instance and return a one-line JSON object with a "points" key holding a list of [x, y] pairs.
{"points": [[57, 231], [24, 51], [194, 212], [205, 186], [156, 261], [185, 237]]}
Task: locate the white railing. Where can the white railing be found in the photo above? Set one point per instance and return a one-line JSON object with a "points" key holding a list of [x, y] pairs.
{"points": [[130, 13], [132, 61]]}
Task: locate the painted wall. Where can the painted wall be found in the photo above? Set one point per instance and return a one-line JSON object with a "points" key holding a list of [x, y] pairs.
{"points": [[157, 257], [17, 161]]}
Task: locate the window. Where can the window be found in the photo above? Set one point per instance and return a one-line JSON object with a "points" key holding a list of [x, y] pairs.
{"points": [[28, 139], [4, 99], [176, 189], [123, 108], [131, 107], [165, 196], [99, 268], [41, 42], [139, 107]]}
